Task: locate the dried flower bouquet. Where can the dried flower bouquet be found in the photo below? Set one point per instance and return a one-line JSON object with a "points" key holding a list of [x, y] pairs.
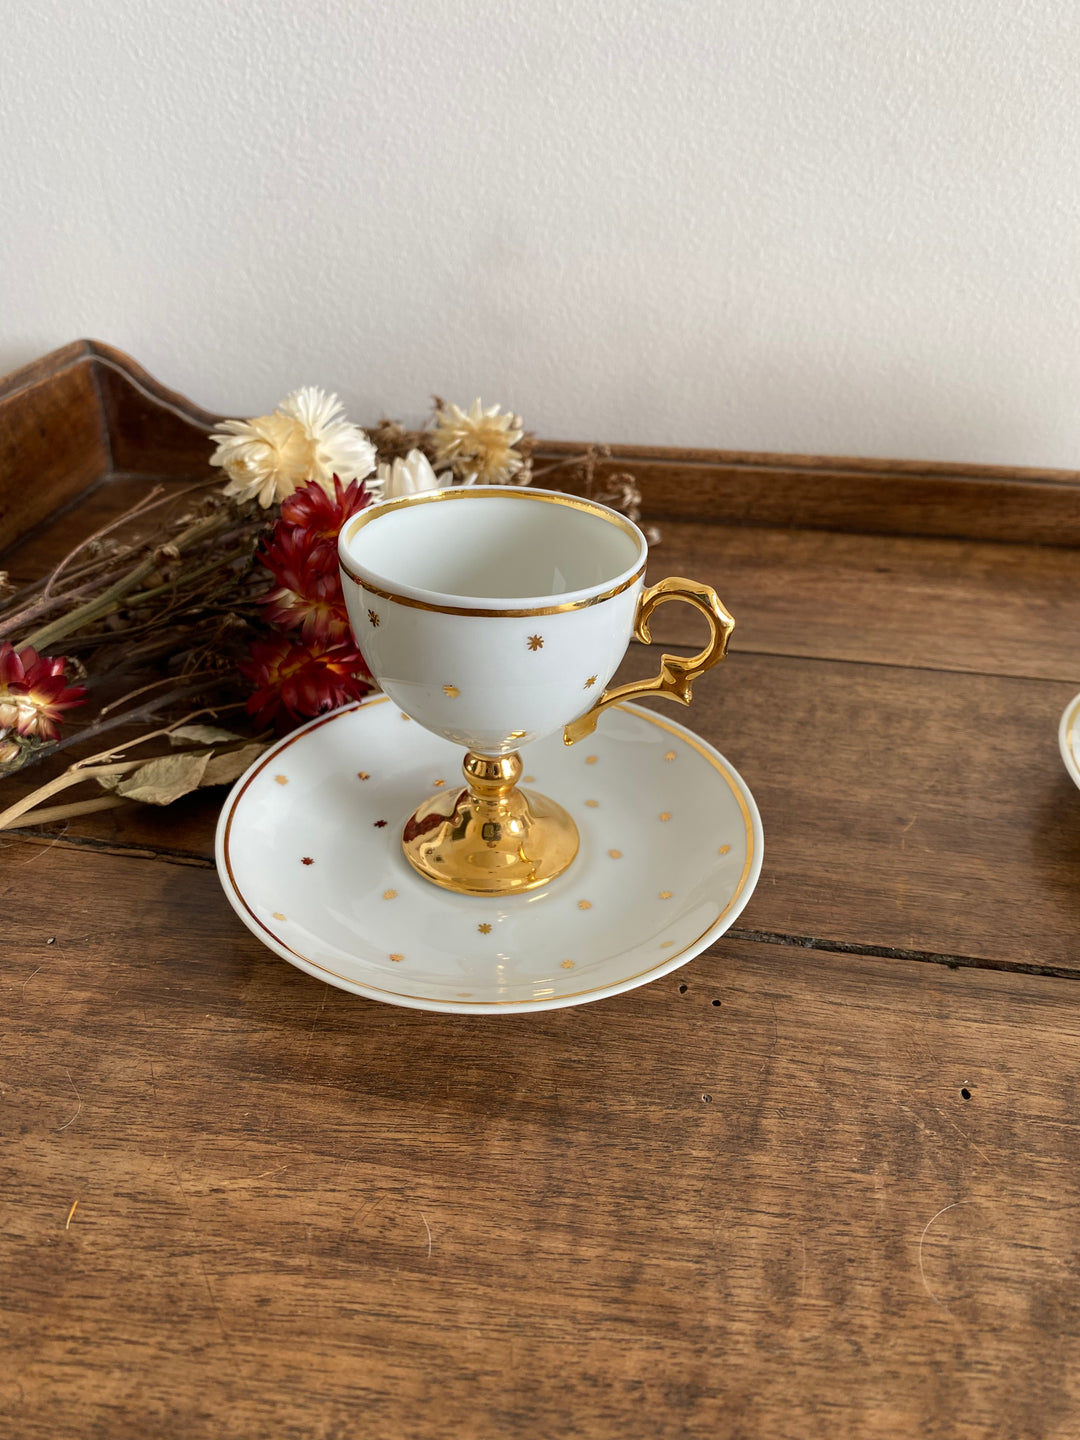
{"points": [[225, 599]]}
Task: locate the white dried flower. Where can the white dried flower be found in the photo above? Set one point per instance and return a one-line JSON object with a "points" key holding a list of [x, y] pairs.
{"points": [[478, 445], [410, 476], [306, 438]]}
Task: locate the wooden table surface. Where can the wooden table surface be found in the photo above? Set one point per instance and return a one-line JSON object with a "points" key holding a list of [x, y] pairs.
{"points": [[820, 1182]]}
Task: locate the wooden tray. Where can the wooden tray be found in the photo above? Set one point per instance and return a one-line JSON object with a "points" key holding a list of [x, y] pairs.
{"points": [[821, 1182]]}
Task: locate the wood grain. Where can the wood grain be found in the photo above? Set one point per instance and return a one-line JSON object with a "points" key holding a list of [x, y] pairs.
{"points": [[84, 414], [904, 809], [153, 430], [915, 810], [832, 493], [885, 599], [53, 442], [655, 1216], [50, 541]]}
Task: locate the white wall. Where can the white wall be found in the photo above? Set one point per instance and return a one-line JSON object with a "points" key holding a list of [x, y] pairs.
{"points": [[844, 226]]}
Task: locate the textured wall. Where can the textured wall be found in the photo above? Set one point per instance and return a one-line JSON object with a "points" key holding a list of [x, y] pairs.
{"points": [[836, 225]]}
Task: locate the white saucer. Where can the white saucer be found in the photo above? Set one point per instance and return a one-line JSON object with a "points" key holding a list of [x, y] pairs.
{"points": [[1069, 738], [309, 854]]}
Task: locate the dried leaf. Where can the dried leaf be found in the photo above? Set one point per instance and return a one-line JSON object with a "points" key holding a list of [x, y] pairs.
{"points": [[201, 735], [161, 781], [223, 769]]}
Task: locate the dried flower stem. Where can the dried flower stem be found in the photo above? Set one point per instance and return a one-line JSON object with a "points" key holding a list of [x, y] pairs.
{"points": [[219, 562], [98, 607], [101, 765], [150, 708], [91, 609], [153, 685], [83, 577], [131, 717], [146, 503], [556, 465], [89, 577], [48, 814], [73, 775], [40, 608]]}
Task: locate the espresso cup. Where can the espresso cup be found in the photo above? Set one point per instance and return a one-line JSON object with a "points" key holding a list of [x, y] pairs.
{"points": [[495, 616]]}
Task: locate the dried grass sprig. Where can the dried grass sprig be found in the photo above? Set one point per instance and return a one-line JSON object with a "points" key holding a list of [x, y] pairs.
{"points": [[104, 766]]}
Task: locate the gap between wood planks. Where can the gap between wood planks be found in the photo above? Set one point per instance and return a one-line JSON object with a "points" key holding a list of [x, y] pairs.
{"points": [[890, 952], [678, 648], [110, 847]]}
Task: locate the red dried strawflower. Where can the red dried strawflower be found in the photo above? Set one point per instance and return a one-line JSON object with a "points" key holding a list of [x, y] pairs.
{"points": [[294, 682], [34, 692], [323, 515], [308, 595], [297, 677]]}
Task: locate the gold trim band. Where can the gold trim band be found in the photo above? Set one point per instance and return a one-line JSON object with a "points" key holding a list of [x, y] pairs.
{"points": [[667, 964], [572, 502], [492, 614]]}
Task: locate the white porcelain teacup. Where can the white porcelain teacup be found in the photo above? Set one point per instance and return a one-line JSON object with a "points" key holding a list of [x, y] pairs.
{"points": [[494, 616]]}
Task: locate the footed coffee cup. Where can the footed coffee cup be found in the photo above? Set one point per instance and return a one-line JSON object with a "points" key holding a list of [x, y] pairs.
{"points": [[494, 616]]}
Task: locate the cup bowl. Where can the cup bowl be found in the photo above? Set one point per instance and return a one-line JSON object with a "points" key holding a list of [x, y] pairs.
{"points": [[492, 616]]}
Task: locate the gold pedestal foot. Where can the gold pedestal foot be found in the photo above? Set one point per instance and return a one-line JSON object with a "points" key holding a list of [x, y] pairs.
{"points": [[491, 838]]}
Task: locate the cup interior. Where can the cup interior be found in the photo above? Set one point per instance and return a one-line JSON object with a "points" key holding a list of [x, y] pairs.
{"points": [[512, 545]]}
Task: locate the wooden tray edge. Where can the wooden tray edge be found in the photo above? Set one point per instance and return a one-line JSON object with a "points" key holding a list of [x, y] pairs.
{"points": [[147, 428]]}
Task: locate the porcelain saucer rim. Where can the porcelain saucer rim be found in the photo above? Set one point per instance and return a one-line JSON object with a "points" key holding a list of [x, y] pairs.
{"points": [[744, 889], [1066, 727]]}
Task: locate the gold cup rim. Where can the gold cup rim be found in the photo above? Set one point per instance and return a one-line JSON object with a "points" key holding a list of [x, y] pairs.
{"points": [[418, 598]]}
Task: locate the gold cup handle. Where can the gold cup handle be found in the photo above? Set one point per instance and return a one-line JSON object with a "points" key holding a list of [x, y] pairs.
{"points": [[677, 672]]}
